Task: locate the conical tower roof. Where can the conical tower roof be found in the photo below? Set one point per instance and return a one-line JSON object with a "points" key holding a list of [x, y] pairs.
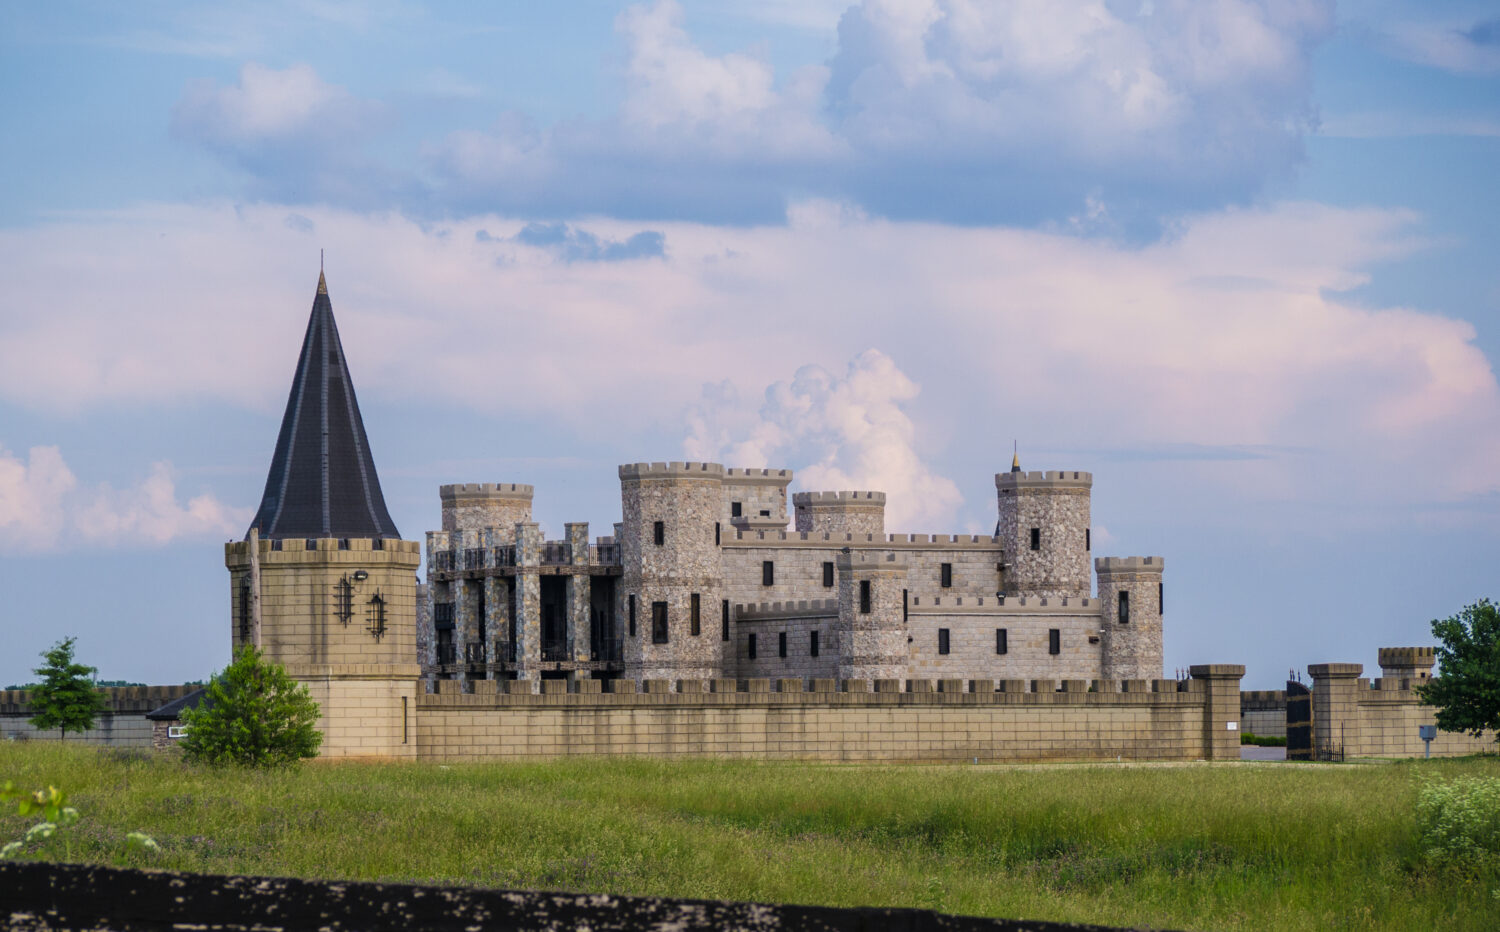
{"points": [[322, 481]]}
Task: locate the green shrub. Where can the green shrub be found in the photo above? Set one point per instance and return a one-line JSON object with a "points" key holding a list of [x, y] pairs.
{"points": [[1264, 741], [1458, 823], [253, 714]]}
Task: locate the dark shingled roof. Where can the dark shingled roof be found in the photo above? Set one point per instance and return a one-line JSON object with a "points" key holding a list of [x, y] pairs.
{"points": [[172, 711], [322, 481]]}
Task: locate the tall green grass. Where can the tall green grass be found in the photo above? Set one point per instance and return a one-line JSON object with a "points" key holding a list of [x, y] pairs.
{"points": [[1193, 847]]}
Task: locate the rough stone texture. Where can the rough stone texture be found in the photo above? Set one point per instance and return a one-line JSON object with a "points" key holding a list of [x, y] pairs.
{"points": [[578, 593], [1354, 718], [526, 602], [798, 620], [688, 499], [1058, 504], [756, 490], [841, 512], [873, 644], [1132, 650], [971, 625], [476, 505]]}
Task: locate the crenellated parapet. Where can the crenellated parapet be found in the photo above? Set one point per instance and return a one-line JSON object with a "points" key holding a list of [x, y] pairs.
{"points": [[1043, 525], [755, 499], [857, 512], [673, 470], [477, 505]]}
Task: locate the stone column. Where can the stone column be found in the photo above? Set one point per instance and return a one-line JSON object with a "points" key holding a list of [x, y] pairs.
{"points": [[1221, 712], [1335, 693], [578, 593], [527, 604]]}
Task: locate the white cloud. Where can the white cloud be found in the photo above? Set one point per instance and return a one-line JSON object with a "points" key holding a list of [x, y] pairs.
{"points": [[43, 508], [840, 434], [270, 105], [1461, 46]]}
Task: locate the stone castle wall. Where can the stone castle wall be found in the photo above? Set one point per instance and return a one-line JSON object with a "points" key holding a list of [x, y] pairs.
{"points": [[1057, 504], [761, 494], [123, 724], [1132, 645], [840, 512]]}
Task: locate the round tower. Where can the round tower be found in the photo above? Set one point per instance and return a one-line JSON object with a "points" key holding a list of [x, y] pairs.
{"points": [[672, 584], [858, 513], [1130, 590], [474, 506], [872, 633], [1044, 530]]}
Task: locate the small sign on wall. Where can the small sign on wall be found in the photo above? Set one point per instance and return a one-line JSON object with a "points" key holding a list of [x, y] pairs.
{"points": [[1232, 726]]}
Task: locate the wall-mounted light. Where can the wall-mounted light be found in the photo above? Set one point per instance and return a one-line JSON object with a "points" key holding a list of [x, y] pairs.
{"points": [[361, 576]]}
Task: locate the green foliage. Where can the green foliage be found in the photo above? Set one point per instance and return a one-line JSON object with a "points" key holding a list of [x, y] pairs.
{"points": [[51, 805], [1459, 823], [1263, 741], [65, 699], [1466, 689], [254, 715]]}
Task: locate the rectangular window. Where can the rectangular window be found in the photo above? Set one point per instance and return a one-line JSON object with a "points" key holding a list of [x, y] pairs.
{"points": [[768, 573], [725, 634], [827, 575], [736, 509], [864, 597], [630, 601], [813, 647], [658, 622], [180, 731], [1036, 538], [1054, 641], [942, 640], [695, 619], [1124, 607], [781, 644], [1088, 538], [947, 576], [1161, 598], [905, 607], [1002, 641], [659, 532], [716, 533], [750, 647], [765, 513]]}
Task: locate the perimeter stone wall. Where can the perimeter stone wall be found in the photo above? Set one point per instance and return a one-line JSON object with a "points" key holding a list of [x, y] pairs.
{"points": [[123, 724]]}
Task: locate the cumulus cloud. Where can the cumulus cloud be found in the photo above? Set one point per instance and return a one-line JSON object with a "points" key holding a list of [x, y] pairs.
{"points": [[42, 507], [838, 433], [573, 244]]}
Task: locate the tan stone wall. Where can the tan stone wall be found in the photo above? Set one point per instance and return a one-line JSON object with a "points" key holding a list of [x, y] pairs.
{"points": [[1388, 722], [123, 724], [922, 725], [364, 712], [799, 566], [798, 627]]}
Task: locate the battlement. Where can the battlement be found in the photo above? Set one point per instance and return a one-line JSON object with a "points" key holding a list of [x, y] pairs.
{"points": [[674, 470], [835, 499], [800, 608], [366, 547], [116, 698], [482, 490], [871, 560], [1407, 656], [825, 539], [1052, 479], [740, 476], [1004, 605], [1128, 564]]}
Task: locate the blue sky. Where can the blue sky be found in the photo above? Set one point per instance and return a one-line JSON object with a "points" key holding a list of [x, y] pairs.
{"points": [[1235, 258]]}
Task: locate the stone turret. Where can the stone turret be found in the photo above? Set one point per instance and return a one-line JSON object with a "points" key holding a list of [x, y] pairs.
{"points": [[476, 506], [755, 499], [1413, 664], [1044, 528], [1130, 589], [872, 616], [841, 512], [672, 570]]}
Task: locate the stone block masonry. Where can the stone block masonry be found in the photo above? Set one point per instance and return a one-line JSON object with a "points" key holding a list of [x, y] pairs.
{"points": [[123, 724]]}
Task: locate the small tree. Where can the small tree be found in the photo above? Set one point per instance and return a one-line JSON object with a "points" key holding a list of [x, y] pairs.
{"points": [[65, 699], [1466, 689], [252, 714]]}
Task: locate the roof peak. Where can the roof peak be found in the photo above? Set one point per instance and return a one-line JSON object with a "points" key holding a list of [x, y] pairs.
{"points": [[322, 283]]}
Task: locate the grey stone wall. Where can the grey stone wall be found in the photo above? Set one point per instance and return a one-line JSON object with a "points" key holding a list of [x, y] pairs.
{"points": [[841, 512], [797, 621], [1056, 503], [477, 505], [873, 644], [799, 564], [1027, 624], [1132, 650], [762, 497]]}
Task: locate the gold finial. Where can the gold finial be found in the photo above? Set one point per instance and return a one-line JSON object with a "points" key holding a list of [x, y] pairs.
{"points": [[322, 284], [1015, 457]]}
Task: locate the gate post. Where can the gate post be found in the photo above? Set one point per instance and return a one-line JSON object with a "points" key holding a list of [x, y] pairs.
{"points": [[1335, 718], [1221, 712]]}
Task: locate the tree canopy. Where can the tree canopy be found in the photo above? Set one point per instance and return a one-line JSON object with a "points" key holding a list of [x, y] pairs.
{"points": [[253, 714], [1466, 689], [65, 698]]}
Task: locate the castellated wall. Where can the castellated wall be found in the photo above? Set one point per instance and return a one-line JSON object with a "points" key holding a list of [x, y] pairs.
{"points": [[1028, 622], [474, 506], [1355, 717], [761, 494], [798, 620], [1057, 505], [687, 498], [1133, 644], [832, 720], [841, 512], [123, 724]]}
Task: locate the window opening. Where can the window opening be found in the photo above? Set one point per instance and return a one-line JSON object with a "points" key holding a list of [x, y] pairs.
{"points": [[694, 618], [813, 647], [1002, 645], [725, 634], [1054, 641], [750, 647], [1036, 538], [659, 532], [768, 573], [864, 597], [658, 622], [828, 575], [947, 576], [943, 640], [781, 644], [1124, 607]]}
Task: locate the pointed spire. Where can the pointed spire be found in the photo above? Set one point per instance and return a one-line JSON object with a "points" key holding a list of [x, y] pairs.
{"points": [[1015, 459], [322, 481]]}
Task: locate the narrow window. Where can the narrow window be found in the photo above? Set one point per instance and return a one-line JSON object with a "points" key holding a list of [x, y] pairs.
{"points": [[1088, 538], [1002, 641], [750, 647], [768, 573], [864, 597], [813, 647], [1124, 607], [736, 509], [1036, 538], [659, 532], [905, 608], [827, 575], [1054, 641], [942, 640], [781, 644], [716, 533], [765, 513], [947, 576], [695, 618], [1161, 599], [725, 634], [658, 622], [630, 601]]}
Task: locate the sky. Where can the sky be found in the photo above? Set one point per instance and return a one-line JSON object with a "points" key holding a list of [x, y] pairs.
{"points": [[1235, 258]]}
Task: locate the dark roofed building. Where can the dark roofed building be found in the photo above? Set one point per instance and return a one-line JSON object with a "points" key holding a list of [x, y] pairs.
{"points": [[322, 481]]}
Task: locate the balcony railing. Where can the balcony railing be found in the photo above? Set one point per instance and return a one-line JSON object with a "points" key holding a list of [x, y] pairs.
{"points": [[555, 649], [445, 654], [505, 651], [474, 558], [443, 561], [474, 652], [606, 650]]}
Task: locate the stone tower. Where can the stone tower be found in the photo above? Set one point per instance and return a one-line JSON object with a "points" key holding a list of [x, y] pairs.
{"points": [[1131, 590], [858, 513], [1044, 528], [673, 573], [337, 585], [872, 616]]}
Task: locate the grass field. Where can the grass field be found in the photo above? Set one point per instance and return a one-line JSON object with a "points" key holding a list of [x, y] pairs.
{"points": [[1227, 846]]}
